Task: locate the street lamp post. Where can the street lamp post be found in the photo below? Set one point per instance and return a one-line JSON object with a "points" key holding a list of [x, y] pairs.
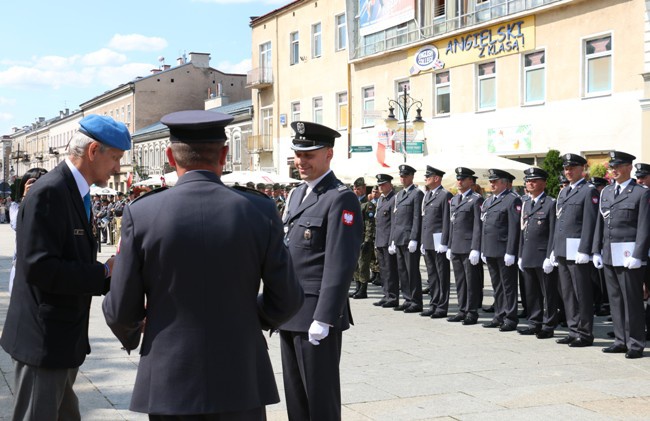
{"points": [[404, 104]]}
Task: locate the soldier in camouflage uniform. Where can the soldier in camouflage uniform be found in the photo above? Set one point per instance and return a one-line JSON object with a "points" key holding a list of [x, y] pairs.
{"points": [[368, 208], [374, 262]]}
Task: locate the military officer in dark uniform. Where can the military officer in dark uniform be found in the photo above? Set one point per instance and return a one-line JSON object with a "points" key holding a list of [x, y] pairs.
{"points": [[642, 175], [465, 245], [621, 244], [501, 215], [387, 261], [362, 274], [374, 264], [539, 275], [577, 212], [435, 237], [188, 277], [601, 300], [405, 238], [324, 231]]}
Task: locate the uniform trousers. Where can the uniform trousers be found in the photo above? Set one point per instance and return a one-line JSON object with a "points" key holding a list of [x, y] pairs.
{"points": [[312, 385], [438, 280], [255, 414], [469, 288], [408, 271], [362, 272], [542, 298], [625, 289], [504, 284], [388, 274], [45, 393], [577, 296]]}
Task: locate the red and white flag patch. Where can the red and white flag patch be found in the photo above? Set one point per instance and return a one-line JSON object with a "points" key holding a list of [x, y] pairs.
{"points": [[518, 208], [348, 217], [594, 200]]}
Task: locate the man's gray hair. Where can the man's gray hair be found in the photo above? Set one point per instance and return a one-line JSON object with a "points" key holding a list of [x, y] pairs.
{"points": [[79, 142]]}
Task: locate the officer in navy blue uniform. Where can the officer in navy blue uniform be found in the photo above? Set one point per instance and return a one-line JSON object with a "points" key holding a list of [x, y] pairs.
{"points": [[577, 212], [464, 247], [620, 247], [324, 231], [537, 228], [501, 215], [196, 279], [435, 240], [405, 238], [387, 262]]}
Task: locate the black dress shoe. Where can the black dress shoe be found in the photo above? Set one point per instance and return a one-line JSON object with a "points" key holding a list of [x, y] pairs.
{"points": [[438, 315], [633, 353], [470, 321], [379, 303], [427, 313], [566, 340], [610, 334], [528, 331], [580, 343], [457, 318], [544, 334], [389, 304], [413, 308], [507, 328], [615, 349], [489, 309], [402, 307], [492, 324]]}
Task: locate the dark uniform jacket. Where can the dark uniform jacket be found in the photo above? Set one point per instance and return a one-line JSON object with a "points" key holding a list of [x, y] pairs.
{"points": [[56, 276], [383, 219], [625, 218], [406, 223], [465, 223], [435, 217], [576, 213], [537, 227], [323, 234], [501, 224], [190, 260], [368, 210]]}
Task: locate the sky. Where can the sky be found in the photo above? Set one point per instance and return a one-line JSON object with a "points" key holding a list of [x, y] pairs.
{"points": [[57, 55]]}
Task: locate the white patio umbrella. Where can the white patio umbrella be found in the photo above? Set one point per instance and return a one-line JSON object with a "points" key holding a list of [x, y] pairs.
{"points": [[243, 177], [102, 191]]}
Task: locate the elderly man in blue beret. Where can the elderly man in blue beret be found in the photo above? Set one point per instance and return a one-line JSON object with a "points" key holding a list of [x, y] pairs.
{"points": [[57, 273]]}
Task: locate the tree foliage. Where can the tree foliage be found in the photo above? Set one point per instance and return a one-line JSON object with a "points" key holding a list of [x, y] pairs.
{"points": [[553, 166]]}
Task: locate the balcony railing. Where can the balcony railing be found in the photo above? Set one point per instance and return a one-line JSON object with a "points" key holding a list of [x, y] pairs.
{"points": [[260, 143], [259, 78]]}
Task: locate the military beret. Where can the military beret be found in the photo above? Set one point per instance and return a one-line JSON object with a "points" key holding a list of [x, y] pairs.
{"points": [[599, 181], [642, 170], [462, 172], [383, 178], [196, 126], [406, 170], [494, 174], [359, 182], [433, 171], [534, 173], [571, 159], [107, 131], [620, 158], [311, 136]]}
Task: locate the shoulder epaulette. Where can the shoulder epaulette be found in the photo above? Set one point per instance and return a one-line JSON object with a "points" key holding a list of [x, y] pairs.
{"points": [[249, 190], [342, 187], [148, 194], [476, 194]]}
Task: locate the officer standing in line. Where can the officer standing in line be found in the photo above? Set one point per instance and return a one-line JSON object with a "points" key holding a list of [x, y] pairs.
{"points": [[501, 216], [435, 237], [362, 274], [643, 178], [405, 236], [539, 275], [465, 245], [374, 264], [577, 212], [387, 261], [324, 230], [601, 299], [620, 247]]}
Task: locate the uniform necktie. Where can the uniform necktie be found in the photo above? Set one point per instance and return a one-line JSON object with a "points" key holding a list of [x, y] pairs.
{"points": [[617, 191], [87, 205], [568, 190]]}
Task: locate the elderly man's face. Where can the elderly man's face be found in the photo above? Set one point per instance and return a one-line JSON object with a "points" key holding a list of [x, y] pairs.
{"points": [[104, 164]]}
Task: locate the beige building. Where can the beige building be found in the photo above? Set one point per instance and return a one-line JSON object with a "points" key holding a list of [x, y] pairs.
{"points": [[512, 78]]}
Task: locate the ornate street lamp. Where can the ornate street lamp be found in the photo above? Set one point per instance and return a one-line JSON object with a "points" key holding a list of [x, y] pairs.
{"points": [[404, 104]]}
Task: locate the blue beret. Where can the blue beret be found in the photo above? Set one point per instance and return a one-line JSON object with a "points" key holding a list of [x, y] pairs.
{"points": [[197, 126], [107, 131]]}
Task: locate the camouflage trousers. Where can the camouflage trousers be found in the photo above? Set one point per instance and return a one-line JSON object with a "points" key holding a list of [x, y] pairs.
{"points": [[362, 272]]}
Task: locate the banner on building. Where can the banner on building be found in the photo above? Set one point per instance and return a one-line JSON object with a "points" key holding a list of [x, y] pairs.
{"points": [[514, 139], [377, 15]]}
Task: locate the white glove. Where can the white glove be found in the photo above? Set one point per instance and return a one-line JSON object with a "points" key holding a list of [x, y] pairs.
{"points": [[317, 332], [548, 266], [632, 263], [520, 264], [581, 258], [474, 255], [598, 261], [442, 248], [392, 249], [552, 259], [448, 254], [413, 245], [422, 249], [484, 259], [509, 259]]}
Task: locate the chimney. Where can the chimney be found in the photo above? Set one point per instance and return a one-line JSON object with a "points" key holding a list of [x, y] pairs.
{"points": [[200, 59], [180, 61], [154, 71], [166, 67]]}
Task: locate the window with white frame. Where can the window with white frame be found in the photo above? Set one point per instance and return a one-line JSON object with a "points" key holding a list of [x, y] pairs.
{"points": [[266, 63], [598, 65], [341, 32], [368, 106], [294, 49], [316, 39], [487, 86], [236, 146], [443, 97], [342, 110], [535, 77], [295, 111], [317, 106]]}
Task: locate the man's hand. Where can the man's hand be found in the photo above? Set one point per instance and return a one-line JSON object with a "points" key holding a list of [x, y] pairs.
{"points": [[317, 332], [442, 248], [413, 246], [474, 256], [598, 261], [548, 266], [632, 263], [392, 249], [509, 259], [582, 258]]}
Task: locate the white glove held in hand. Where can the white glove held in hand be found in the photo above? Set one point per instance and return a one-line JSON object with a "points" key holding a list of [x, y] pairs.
{"points": [[448, 255], [553, 259], [422, 250], [548, 266], [474, 255], [392, 249], [632, 263], [581, 258], [317, 332], [413, 245], [509, 259], [598, 261]]}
